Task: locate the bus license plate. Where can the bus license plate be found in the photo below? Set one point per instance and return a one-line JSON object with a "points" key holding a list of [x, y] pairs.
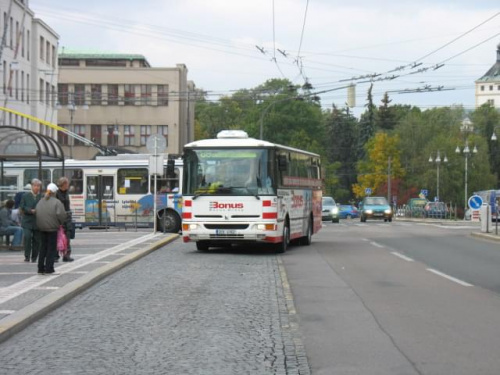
{"points": [[225, 232]]}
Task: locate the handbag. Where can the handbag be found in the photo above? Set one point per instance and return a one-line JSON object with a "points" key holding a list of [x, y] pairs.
{"points": [[62, 241]]}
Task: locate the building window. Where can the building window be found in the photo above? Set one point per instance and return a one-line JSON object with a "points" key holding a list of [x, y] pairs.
{"points": [[491, 87], [47, 51], [41, 91], [42, 45], [47, 93], [491, 102], [146, 94], [79, 94], [162, 94], [28, 85], [482, 88], [62, 137], [112, 131], [16, 34], [96, 133], [95, 94], [112, 94], [11, 33], [28, 43], [53, 96], [145, 133], [22, 86], [129, 94], [22, 44], [128, 135], [5, 77], [80, 130], [62, 93], [16, 75], [163, 130], [54, 56]]}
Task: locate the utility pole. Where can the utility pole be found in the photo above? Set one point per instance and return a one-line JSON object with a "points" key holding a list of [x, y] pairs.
{"points": [[389, 180]]}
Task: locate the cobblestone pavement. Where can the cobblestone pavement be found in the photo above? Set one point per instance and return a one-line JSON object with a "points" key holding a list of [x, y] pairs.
{"points": [[175, 311]]}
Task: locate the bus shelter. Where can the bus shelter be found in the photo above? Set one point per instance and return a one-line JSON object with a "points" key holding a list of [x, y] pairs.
{"points": [[17, 144]]}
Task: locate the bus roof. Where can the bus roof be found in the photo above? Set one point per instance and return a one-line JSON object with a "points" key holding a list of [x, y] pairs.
{"points": [[242, 143]]}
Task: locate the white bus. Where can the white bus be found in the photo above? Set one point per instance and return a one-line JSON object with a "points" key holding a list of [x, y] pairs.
{"points": [[108, 191], [241, 190]]}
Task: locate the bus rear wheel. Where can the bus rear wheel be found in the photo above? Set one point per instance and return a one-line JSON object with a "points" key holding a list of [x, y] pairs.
{"points": [[170, 222]]}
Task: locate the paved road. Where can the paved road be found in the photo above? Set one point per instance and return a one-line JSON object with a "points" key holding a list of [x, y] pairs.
{"points": [[175, 311], [368, 303]]}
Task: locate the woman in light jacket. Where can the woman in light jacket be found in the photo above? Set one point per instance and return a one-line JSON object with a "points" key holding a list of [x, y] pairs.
{"points": [[50, 214]]}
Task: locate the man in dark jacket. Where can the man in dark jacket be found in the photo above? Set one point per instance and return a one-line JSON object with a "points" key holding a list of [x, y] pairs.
{"points": [[50, 214], [31, 233], [63, 195]]}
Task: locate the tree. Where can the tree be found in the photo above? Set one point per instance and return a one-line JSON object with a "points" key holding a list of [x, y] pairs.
{"points": [[385, 115], [366, 124], [373, 172]]}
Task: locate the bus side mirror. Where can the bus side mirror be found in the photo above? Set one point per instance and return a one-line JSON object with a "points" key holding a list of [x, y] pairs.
{"points": [[282, 163], [170, 168]]}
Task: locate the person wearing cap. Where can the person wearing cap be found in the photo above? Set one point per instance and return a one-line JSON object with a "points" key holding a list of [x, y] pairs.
{"points": [[31, 233], [50, 214]]}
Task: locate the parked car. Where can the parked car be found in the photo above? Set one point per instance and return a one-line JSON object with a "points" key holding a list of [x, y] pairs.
{"points": [[437, 210], [375, 208], [348, 211], [330, 210]]}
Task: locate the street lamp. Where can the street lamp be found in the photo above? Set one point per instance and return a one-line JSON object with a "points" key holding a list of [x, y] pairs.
{"points": [[466, 128], [494, 135], [261, 121], [438, 160], [72, 108]]}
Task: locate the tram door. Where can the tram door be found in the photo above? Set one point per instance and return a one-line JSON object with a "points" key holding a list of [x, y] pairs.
{"points": [[100, 206]]}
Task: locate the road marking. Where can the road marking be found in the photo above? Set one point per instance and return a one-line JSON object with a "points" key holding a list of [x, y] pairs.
{"points": [[7, 312], [47, 288], [377, 244], [404, 257], [451, 278], [16, 273], [14, 290], [365, 239]]}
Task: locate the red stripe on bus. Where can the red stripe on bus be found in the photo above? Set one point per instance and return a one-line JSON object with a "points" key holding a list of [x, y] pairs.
{"points": [[270, 215], [188, 203], [295, 235], [187, 215], [274, 239], [266, 203]]}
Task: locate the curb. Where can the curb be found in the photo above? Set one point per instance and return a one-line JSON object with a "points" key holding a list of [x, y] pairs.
{"points": [[486, 236], [16, 322]]}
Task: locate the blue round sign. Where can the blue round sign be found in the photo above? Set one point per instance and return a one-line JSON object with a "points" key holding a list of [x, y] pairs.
{"points": [[475, 202]]}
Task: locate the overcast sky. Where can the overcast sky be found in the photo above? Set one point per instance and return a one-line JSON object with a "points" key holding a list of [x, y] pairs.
{"points": [[216, 39]]}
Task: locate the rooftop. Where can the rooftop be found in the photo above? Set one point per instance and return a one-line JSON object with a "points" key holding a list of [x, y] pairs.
{"points": [[493, 74], [102, 56]]}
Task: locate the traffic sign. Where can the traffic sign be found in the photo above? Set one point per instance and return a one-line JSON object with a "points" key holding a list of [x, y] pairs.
{"points": [[368, 191], [475, 202], [156, 143], [424, 192]]}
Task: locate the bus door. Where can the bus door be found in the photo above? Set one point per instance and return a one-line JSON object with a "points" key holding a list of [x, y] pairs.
{"points": [[100, 203]]}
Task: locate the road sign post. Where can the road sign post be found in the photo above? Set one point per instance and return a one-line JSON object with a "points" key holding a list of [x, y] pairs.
{"points": [[155, 144]]}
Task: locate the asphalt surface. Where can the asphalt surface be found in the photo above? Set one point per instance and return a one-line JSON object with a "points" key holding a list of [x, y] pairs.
{"points": [[382, 298], [176, 311]]}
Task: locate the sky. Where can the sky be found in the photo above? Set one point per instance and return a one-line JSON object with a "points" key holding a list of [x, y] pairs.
{"points": [[325, 42]]}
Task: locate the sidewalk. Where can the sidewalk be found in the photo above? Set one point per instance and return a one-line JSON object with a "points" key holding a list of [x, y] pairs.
{"points": [[25, 296], [440, 221]]}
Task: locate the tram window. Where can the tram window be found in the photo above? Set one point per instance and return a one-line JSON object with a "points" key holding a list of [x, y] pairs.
{"points": [[132, 181], [166, 184], [75, 177], [30, 174]]}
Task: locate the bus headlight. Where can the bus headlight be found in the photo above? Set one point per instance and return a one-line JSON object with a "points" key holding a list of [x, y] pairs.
{"points": [[193, 226]]}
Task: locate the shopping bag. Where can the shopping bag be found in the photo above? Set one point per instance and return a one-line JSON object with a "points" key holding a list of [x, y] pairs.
{"points": [[62, 241]]}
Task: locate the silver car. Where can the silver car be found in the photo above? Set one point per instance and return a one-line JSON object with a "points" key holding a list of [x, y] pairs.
{"points": [[330, 210]]}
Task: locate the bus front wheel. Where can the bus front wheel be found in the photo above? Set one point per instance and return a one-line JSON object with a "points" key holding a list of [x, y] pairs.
{"points": [[282, 246], [170, 222]]}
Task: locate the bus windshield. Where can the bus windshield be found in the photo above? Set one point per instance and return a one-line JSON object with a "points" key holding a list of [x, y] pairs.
{"points": [[228, 172]]}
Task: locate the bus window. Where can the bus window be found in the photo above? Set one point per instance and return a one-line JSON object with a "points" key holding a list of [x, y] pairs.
{"points": [[132, 181], [165, 183], [75, 177], [30, 174]]}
